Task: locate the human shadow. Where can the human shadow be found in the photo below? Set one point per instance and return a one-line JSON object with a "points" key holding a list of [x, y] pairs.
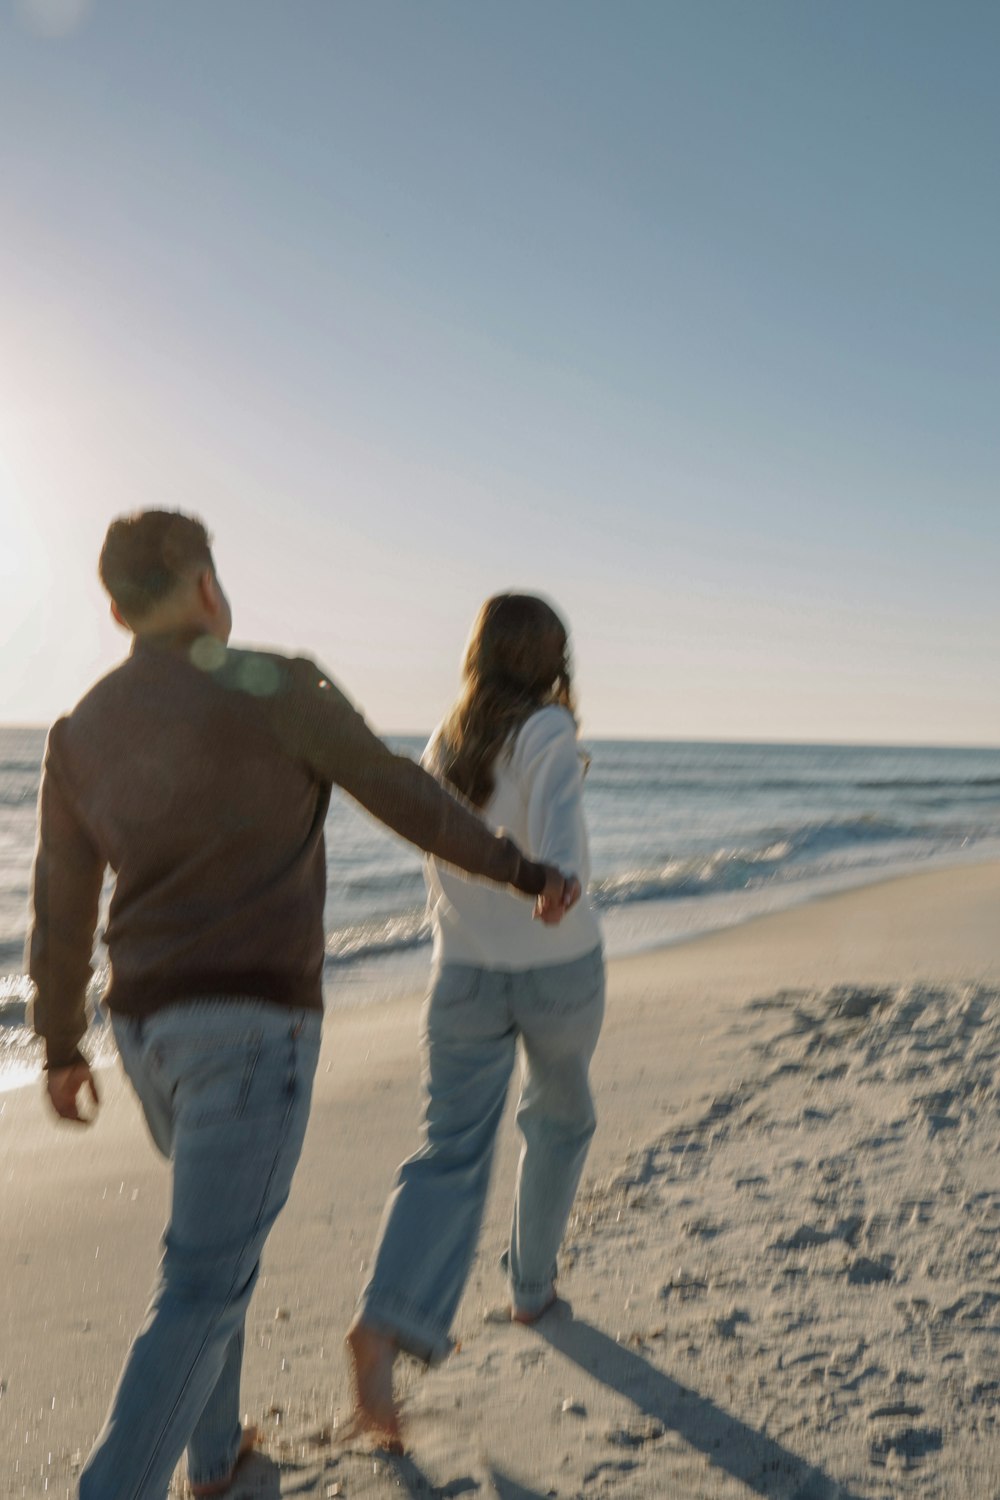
{"points": [[415, 1483], [510, 1489], [258, 1478], [763, 1465], [418, 1486]]}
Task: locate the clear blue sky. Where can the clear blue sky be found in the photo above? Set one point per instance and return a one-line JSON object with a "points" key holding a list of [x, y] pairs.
{"points": [[686, 313]]}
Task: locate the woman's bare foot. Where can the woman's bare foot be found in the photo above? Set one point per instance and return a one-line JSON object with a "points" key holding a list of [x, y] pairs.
{"points": [[529, 1315], [248, 1442], [375, 1411]]}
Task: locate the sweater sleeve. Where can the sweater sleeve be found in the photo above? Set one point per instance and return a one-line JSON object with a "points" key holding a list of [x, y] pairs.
{"points": [[324, 728], [550, 772], [65, 895]]}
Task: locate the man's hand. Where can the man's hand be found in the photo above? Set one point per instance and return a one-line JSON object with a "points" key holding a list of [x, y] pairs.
{"points": [[64, 1087], [560, 893]]}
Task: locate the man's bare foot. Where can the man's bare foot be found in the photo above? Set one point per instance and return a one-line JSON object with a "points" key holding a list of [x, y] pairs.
{"points": [[529, 1315], [375, 1411], [248, 1442]]}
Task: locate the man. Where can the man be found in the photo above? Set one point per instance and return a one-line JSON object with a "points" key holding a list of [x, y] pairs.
{"points": [[201, 775]]}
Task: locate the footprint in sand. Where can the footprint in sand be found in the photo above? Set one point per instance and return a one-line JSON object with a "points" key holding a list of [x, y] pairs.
{"points": [[844, 1002], [703, 1228], [895, 1409], [684, 1286], [914, 1211], [528, 1358], [637, 1434], [865, 1272], [726, 1327], [910, 1444], [622, 1466], [975, 1309], [808, 1235], [802, 1238]]}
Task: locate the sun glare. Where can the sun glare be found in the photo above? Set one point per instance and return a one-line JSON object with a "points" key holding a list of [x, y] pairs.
{"points": [[22, 571], [21, 550], [53, 18]]}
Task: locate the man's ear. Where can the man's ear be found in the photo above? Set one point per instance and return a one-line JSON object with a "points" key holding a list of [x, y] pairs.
{"points": [[208, 591], [118, 617]]}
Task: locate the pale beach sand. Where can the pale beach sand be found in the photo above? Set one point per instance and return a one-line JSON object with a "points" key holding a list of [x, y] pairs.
{"points": [[784, 1271]]}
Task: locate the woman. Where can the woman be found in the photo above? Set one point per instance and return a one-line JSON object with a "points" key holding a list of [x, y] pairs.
{"points": [[509, 747]]}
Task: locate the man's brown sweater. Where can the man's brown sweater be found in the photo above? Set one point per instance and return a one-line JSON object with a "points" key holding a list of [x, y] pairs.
{"points": [[202, 776]]}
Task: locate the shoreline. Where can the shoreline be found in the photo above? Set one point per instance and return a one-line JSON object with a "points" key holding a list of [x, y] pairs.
{"points": [[739, 1112], [388, 978]]}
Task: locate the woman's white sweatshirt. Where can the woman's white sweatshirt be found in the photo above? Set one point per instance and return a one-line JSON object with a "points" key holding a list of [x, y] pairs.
{"points": [[537, 799]]}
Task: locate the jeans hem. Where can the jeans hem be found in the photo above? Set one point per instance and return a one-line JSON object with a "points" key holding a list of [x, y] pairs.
{"points": [[529, 1296], [389, 1315], [532, 1298], [215, 1475]]}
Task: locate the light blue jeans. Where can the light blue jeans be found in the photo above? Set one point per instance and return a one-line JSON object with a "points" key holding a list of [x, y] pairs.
{"points": [[225, 1086], [472, 1023]]}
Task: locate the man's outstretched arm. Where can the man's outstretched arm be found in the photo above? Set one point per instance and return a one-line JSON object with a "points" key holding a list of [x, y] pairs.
{"points": [[335, 740], [65, 895]]}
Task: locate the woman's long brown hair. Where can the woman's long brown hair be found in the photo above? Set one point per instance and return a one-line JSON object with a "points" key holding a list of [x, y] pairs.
{"points": [[516, 662]]}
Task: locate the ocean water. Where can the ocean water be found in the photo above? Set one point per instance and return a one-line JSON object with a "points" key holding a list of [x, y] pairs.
{"points": [[685, 838]]}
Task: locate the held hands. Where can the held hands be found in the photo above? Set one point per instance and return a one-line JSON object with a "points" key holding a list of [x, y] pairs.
{"points": [[560, 893], [64, 1087]]}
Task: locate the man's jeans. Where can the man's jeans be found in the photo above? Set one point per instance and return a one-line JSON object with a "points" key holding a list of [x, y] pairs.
{"points": [[472, 1023], [225, 1086]]}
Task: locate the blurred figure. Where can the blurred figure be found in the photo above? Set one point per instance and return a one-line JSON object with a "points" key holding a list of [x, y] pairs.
{"points": [[500, 984]]}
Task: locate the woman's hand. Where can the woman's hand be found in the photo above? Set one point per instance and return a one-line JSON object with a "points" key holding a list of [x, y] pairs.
{"points": [[561, 892]]}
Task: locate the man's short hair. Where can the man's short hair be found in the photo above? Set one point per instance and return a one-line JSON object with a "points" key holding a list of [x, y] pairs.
{"points": [[146, 555]]}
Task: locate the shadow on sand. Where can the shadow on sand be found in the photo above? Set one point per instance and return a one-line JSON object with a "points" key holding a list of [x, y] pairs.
{"points": [[759, 1462], [258, 1478], [510, 1489], [417, 1486], [415, 1483]]}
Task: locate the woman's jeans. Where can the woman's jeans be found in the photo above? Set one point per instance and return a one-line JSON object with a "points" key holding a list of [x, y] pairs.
{"points": [[427, 1240], [225, 1086]]}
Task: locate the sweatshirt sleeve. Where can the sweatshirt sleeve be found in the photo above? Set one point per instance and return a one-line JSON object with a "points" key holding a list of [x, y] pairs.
{"points": [[551, 774], [326, 730], [65, 895]]}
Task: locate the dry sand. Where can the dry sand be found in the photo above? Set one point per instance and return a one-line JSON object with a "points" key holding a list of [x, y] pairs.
{"points": [[784, 1269]]}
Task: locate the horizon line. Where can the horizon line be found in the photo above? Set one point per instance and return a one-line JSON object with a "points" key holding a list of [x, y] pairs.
{"points": [[685, 739]]}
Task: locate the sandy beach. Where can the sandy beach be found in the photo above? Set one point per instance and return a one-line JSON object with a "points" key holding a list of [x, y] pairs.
{"points": [[782, 1278]]}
